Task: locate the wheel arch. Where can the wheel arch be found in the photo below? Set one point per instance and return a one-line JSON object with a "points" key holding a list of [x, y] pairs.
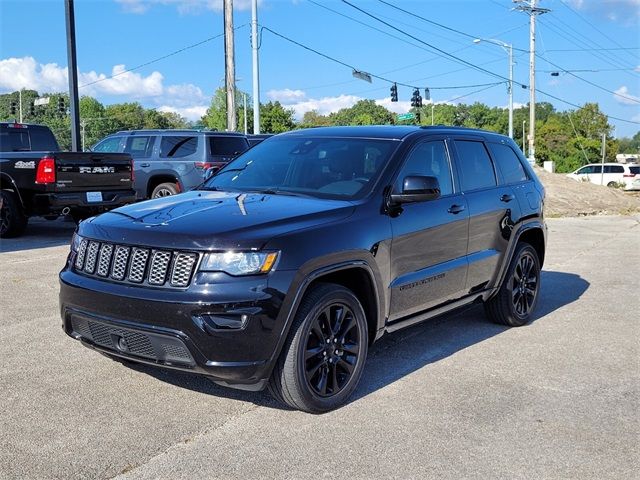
{"points": [[7, 183], [157, 179]]}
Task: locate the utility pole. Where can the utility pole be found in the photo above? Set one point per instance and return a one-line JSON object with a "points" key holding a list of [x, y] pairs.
{"points": [[244, 101], [229, 66], [74, 106], [20, 101], [530, 7], [604, 154], [256, 72]]}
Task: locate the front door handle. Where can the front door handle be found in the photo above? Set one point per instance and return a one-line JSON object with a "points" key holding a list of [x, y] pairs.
{"points": [[145, 164], [455, 209], [507, 197]]}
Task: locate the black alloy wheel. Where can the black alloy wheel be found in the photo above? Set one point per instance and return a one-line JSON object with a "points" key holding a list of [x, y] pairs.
{"points": [[13, 221], [524, 284], [332, 350], [516, 299], [323, 357]]}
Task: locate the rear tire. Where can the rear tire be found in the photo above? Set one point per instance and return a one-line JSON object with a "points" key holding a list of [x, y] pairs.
{"points": [[13, 221], [164, 190], [323, 358], [517, 297]]}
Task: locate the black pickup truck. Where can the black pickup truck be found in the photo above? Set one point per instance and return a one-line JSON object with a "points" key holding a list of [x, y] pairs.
{"points": [[36, 179]]}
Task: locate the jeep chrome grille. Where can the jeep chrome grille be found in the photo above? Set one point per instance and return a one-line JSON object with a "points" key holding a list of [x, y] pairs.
{"points": [[135, 264]]}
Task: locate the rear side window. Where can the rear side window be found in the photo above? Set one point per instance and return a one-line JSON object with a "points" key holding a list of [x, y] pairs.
{"points": [[634, 170], [613, 169], [139, 146], [42, 140], [176, 147], [508, 163], [429, 159], [228, 146], [14, 140], [111, 144], [476, 169]]}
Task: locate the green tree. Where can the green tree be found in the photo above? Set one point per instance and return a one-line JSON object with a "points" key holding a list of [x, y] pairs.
{"points": [[629, 145], [364, 112], [274, 118], [128, 116], [314, 119], [216, 116]]}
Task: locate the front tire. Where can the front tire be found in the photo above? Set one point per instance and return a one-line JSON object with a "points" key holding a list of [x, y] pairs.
{"points": [[164, 190], [13, 221], [517, 297], [323, 358]]}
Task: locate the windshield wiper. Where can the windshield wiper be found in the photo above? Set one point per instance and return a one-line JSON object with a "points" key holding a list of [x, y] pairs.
{"points": [[271, 191]]}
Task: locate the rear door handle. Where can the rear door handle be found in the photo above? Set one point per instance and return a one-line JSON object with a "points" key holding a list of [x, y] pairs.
{"points": [[455, 209], [145, 164], [507, 197]]}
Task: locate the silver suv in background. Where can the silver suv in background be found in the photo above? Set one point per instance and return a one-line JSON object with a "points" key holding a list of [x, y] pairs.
{"points": [[167, 162]]}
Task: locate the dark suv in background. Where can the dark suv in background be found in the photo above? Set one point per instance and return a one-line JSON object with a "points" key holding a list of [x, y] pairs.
{"points": [[285, 266], [167, 162]]}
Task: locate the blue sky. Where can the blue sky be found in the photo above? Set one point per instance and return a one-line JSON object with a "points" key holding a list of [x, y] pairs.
{"points": [[598, 41]]}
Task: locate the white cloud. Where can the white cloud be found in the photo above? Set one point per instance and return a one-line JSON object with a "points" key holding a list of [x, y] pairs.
{"points": [[183, 6], [193, 113], [186, 98], [623, 96], [324, 105], [626, 12], [395, 107], [286, 96]]}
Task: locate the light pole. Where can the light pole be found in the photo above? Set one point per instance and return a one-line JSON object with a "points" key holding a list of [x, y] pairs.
{"points": [[507, 47], [432, 105], [524, 126]]}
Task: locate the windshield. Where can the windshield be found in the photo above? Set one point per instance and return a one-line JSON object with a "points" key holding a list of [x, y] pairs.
{"points": [[338, 168]]}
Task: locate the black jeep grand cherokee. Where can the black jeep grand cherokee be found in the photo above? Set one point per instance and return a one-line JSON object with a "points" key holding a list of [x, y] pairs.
{"points": [[285, 266]]}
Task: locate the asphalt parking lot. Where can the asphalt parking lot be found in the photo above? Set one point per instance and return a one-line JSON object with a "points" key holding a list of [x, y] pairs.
{"points": [[454, 398]]}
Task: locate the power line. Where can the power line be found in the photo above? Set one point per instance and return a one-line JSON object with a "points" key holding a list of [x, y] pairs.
{"points": [[188, 47], [590, 49]]}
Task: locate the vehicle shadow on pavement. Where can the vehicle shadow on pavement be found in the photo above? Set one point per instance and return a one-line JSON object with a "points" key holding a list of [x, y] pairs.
{"points": [[40, 233], [402, 353]]}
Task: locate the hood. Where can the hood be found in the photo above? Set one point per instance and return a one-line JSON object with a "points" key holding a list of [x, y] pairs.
{"points": [[212, 220]]}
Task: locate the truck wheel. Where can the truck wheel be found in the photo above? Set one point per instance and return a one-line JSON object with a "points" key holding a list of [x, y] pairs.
{"points": [[164, 190], [517, 297], [323, 358], [13, 221]]}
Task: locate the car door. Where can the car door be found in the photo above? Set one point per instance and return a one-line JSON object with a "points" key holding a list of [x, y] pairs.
{"points": [[490, 209], [429, 243], [141, 149]]}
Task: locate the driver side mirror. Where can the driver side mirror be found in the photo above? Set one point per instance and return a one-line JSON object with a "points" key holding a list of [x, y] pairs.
{"points": [[417, 188]]}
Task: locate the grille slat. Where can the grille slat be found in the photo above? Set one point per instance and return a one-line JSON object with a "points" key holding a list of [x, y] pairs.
{"points": [[182, 268], [104, 259], [135, 264]]}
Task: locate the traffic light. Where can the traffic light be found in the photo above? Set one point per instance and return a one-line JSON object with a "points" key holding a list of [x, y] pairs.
{"points": [[394, 93], [62, 109], [13, 107], [32, 110], [427, 94], [416, 99]]}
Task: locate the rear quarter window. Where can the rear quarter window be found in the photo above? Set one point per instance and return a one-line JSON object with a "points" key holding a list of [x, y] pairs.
{"points": [[227, 146], [508, 163], [635, 170]]}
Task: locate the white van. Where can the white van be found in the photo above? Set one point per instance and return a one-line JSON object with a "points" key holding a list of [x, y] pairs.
{"points": [[614, 173]]}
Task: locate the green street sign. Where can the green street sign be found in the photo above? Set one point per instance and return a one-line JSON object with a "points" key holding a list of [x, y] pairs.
{"points": [[406, 116]]}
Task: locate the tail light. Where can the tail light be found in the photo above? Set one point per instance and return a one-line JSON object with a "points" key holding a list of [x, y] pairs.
{"points": [[203, 165], [46, 172], [629, 175]]}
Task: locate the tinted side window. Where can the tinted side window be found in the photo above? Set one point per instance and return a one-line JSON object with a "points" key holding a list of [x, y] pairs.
{"points": [[227, 146], [476, 169], [613, 169], [42, 139], [139, 146], [508, 163], [634, 170], [428, 159], [111, 144], [176, 147]]}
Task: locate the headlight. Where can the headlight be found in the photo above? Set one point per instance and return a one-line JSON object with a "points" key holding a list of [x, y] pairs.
{"points": [[239, 263], [76, 240]]}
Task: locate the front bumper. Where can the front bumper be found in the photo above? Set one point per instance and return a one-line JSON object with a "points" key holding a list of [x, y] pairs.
{"points": [[45, 203], [227, 331]]}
